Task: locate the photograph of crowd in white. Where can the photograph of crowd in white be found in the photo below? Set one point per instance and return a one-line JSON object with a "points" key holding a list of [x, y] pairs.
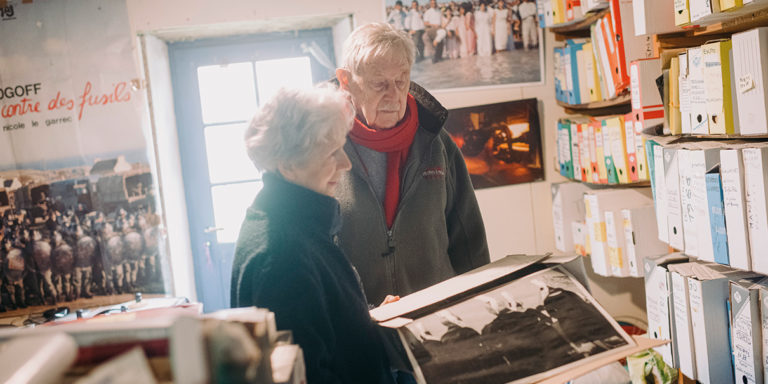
{"points": [[522, 331], [471, 43], [501, 143]]}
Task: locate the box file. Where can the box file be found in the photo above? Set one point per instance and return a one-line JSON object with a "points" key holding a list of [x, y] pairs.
{"points": [[647, 105], [732, 177], [750, 68], [567, 207], [679, 274], [593, 158], [615, 129], [630, 147], [706, 157], [699, 116], [579, 232], [564, 148], [615, 240], [690, 233], [600, 202], [652, 17], [684, 94], [642, 158], [746, 335], [708, 296], [702, 8], [575, 150], [675, 123], [641, 237], [717, 216], [682, 13], [718, 87], [672, 197], [590, 72], [726, 5], [586, 165], [602, 168], [659, 185], [756, 193], [659, 301]]}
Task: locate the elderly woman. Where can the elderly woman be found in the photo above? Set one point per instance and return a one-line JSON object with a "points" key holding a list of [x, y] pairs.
{"points": [[286, 259]]}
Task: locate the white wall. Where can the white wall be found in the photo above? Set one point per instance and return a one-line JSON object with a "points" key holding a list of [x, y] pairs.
{"points": [[518, 219]]}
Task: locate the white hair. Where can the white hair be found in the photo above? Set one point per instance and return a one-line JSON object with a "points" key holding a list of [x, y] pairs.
{"points": [[288, 129], [373, 41]]}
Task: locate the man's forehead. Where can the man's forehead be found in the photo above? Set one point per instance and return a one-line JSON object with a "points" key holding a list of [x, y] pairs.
{"points": [[384, 67]]}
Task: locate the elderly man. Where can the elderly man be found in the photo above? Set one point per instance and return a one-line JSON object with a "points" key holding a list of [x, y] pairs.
{"points": [[411, 218]]}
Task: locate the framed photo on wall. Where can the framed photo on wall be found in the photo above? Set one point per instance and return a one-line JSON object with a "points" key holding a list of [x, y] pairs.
{"points": [[501, 142], [470, 44]]}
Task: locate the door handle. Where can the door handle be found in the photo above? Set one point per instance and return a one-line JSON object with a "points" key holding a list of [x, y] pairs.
{"points": [[212, 229]]}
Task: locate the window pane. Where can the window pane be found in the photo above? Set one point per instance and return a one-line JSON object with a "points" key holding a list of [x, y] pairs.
{"points": [[294, 72], [227, 158], [226, 92], [229, 205]]}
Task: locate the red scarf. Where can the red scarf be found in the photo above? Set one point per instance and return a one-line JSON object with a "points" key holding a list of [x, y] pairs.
{"points": [[396, 142]]}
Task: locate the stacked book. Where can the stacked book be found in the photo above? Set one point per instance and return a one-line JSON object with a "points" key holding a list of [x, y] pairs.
{"points": [[710, 200], [715, 316], [598, 68], [606, 151], [157, 345], [719, 88], [615, 227]]}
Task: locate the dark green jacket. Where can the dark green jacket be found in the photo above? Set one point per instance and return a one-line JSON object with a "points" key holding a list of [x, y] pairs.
{"points": [[438, 231], [286, 261]]}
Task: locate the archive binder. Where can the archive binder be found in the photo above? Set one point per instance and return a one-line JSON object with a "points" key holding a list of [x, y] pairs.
{"points": [[750, 67], [756, 192], [718, 86], [732, 177], [717, 216]]}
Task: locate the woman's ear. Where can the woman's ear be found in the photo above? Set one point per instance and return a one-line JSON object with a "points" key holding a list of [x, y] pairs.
{"points": [[343, 76], [285, 170]]}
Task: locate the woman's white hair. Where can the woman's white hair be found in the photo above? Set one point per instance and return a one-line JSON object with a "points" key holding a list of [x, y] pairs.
{"points": [[291, 127], [373, 41]]}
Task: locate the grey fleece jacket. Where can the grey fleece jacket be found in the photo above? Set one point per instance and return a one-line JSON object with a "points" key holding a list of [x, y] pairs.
{"points": [[438, 231]]}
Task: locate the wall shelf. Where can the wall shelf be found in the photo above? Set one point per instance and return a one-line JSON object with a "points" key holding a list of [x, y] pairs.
{"points": [[577, 28], [617, 106], [655, 133]]}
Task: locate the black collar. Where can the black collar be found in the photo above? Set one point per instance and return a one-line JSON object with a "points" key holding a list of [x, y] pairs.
{"points": [[298, 205]]}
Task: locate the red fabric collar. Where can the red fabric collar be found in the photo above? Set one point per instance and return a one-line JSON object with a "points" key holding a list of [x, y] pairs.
{"points": [[395, 142]]}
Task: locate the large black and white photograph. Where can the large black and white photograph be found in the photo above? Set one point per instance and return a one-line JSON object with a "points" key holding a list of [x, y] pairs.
{"points": [[477, 43], [501, 143], [520, 332]]}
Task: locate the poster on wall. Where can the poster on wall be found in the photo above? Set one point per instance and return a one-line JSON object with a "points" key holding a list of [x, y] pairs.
{"points": [[501, 143], [80, 222], [471, 44]]}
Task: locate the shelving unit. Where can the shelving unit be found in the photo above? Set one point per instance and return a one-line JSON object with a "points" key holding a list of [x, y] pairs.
{"points": [[577, 28], [712, 27], [617, 106], [655, 132]]}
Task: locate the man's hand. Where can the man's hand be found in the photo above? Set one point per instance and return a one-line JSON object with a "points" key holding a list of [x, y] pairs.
{"points": [[389, 299]]}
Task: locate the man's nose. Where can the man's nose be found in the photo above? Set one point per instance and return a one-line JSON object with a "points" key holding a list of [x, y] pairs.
{"points": [[344, 162]]}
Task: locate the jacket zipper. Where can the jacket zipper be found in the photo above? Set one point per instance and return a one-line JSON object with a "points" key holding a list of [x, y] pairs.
{"points": [[390, 261]]}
